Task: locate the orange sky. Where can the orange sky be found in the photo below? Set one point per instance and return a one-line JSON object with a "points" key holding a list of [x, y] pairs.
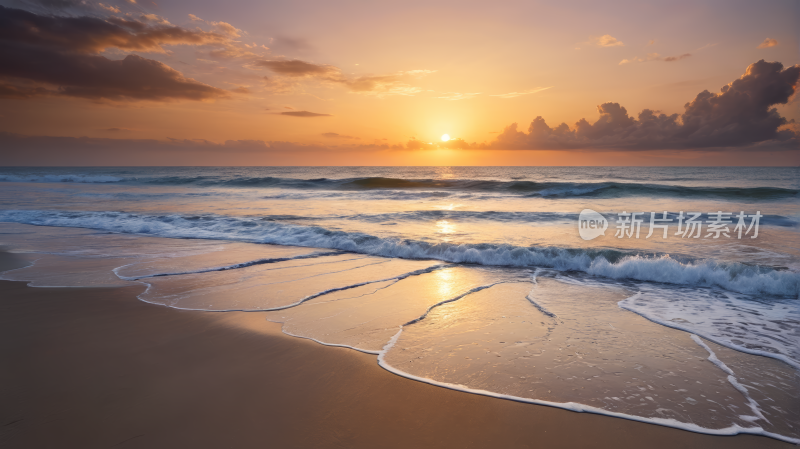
{"points": [[349, 83]]}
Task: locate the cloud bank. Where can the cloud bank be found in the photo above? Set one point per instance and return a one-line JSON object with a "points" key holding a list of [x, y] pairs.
{"points": [[740, 115]]}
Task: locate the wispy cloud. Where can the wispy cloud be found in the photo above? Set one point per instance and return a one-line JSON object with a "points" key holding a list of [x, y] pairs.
{"points": [[655, 57], [524, 92], [338, 136], [304, 114], [677, 58], [377, 85], [452, 96]]}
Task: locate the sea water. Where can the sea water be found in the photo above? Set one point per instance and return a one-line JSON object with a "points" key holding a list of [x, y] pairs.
{"points": [[473, 278]]}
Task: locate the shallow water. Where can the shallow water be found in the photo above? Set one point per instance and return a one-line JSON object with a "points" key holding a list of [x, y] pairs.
{"points": [[471, 278]]}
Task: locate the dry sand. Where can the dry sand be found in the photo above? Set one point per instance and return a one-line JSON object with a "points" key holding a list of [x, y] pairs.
{"points": [[96, 368]]}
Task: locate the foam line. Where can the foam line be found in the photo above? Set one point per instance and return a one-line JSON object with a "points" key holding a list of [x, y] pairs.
{"points": [[572, 406], [228, 267], [789, 361], [307, 298], [15, 269], [468, 292], [538, 306], [576, 407], [712, 357]]}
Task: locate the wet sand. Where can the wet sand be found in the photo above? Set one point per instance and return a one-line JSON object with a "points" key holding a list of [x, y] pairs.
{"points": [[95, 367]]}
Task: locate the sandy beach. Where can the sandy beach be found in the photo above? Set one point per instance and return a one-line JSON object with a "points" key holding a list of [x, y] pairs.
{"points": [[95, 367]]}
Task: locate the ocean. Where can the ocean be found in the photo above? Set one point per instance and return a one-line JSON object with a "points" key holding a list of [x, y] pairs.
{"points": [[471, 278]]}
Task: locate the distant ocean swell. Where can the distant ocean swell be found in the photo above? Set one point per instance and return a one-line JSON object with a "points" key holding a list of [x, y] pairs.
{"points": [[737, 277], [517, 187]]}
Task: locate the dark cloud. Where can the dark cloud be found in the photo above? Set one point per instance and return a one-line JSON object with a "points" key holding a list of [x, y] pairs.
{"points": [[337, 136], [58, 4], [91, 34], [57, 53], [677, 58], [740, 115], [21, 92], [97, 77], [304, 114]]}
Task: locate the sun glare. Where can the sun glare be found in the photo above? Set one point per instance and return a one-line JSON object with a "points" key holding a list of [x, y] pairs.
{"points": [[445, 137]]}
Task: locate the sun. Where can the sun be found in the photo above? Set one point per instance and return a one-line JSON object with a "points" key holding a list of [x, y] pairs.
{"points": [[445, 137]]}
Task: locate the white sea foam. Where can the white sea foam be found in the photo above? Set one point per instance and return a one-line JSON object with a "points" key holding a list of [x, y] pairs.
{"points": [[731, 430], [712, 357], [731, 276], [766, 327], [573, 406]]}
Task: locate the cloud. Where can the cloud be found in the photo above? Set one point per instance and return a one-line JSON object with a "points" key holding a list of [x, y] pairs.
{"points": [[654, 57], [60, 4], [109, 8], [97, 77], [378, 85], [740, 115], [677, 58], [650, 57], [58, 54], [293, 45], [452, 96], [382, 85], [524, 92], [21, 92], [304, 114], [768, 43], [91, 35], [18, 149], [607, 40], [415, 144], [299, 69], [337, 136]]}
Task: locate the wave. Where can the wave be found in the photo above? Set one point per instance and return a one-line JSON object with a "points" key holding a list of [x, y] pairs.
{"points": [[499, 216], [77, 178], [554, 189], [609, 263]]}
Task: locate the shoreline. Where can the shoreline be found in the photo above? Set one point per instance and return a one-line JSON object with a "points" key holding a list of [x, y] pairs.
{"points": [[96, 367]]}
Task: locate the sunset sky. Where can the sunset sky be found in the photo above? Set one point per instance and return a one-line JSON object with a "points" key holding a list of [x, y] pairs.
{"points": [[378, 83]]}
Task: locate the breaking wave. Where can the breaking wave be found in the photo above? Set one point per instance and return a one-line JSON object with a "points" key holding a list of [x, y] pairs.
{"points": [[615, 264]]}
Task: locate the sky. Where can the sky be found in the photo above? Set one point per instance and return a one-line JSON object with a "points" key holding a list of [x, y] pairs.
{"points": [[311, 82]]}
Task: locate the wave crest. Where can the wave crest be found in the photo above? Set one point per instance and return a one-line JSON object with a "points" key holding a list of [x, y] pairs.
{"points": [[749, 279]]}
